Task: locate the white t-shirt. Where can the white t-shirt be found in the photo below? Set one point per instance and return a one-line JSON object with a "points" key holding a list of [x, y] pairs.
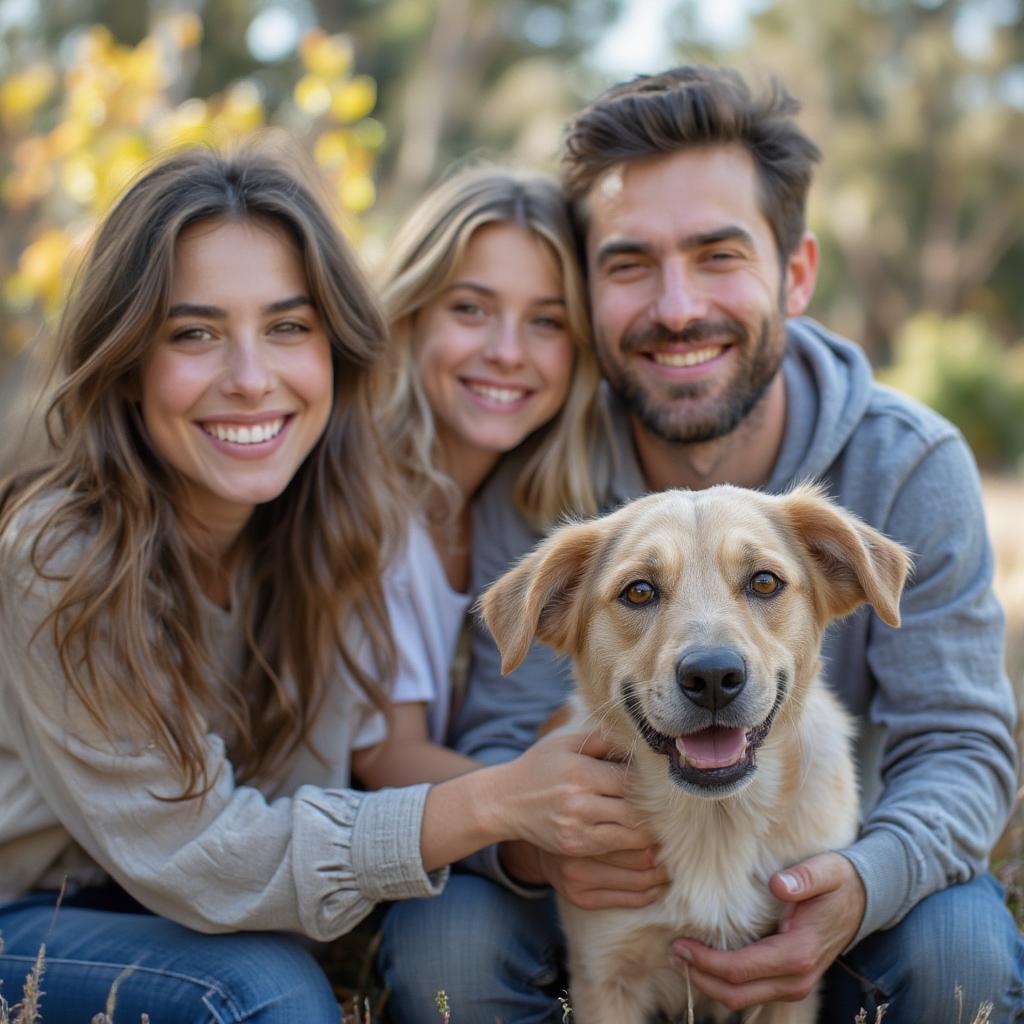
{"points": [[426, 616]]}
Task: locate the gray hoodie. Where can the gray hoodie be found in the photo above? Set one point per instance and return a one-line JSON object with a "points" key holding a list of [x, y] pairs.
{"points": [[936, 712]]}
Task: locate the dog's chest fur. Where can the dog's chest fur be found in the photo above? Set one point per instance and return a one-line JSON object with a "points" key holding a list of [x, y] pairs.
{"points": [[719, 855]]}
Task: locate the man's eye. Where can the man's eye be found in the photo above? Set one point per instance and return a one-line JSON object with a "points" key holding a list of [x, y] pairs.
{"points": [[639, 592], [765, 584], [625, 267]]}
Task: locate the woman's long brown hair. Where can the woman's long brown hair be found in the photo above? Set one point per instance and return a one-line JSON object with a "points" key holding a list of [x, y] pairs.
{"points": [[313, 596]]}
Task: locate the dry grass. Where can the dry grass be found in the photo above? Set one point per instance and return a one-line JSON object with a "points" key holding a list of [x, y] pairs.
{"points": [[355, 1008]]}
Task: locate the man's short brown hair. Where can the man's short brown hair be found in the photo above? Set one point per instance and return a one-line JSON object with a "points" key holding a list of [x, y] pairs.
{"points": [[688, 107]]}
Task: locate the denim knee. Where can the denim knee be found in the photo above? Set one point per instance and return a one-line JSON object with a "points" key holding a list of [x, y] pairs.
{"points": [[268, 979], [493, 953], [160, 968], [957, 947]]}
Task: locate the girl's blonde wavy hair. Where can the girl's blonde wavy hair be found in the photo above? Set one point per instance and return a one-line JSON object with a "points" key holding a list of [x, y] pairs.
{"points": [[422, 262], [316, 551]]}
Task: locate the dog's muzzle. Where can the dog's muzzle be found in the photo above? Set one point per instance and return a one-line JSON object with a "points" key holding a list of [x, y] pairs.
{"points": [[717, 759]]}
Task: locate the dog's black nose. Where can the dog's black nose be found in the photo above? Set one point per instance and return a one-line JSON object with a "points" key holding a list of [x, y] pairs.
{"points": [[711, 676]]}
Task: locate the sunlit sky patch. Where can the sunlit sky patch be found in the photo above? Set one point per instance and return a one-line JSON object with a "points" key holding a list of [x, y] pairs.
{"points": [[639, 41]]}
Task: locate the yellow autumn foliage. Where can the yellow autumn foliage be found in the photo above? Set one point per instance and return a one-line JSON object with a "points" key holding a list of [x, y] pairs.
{"points": [[72, 142]]}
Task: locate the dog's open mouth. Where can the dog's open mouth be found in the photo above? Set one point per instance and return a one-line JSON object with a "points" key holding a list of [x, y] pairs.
{"points": [[717, 757]]}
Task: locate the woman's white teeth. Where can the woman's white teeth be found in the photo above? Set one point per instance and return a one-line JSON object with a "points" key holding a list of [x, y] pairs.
{"points": [[496, 394], [255, 434], [695, 358]]}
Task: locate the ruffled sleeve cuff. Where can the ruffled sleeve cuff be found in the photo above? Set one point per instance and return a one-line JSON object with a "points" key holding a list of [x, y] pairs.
{"points": [[351, 850], [386, 846]]}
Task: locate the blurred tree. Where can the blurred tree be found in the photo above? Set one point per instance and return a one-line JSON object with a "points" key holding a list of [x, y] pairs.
{"points": [[458, 76], [959, 367], [918, 106]]}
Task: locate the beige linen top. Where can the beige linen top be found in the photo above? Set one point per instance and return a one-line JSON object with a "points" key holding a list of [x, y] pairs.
{"points": [[306, 853]]}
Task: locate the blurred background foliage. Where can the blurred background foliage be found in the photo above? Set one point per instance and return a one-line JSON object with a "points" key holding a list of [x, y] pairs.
{"points": [[917, 104]]}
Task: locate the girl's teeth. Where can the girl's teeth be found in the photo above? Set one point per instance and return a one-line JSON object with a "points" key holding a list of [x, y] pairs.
{"points": [[702, 355], [255, 434], [507, 395]]}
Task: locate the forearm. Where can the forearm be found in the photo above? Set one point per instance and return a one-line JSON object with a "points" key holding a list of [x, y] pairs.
{"points": [[934, 826], [402, 762], [465, 814]]}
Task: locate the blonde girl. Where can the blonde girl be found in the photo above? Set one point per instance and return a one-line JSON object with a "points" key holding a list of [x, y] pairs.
{"points": [[490, 359]]}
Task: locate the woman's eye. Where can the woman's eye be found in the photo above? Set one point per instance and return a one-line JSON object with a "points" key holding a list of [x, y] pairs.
{"points": [[639, 592], [191, 334], [289, 327], [765, 584], [469, 309], [549, 323]]}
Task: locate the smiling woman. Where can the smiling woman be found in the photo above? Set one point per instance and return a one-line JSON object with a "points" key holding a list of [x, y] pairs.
{"points": [[237, 389]]}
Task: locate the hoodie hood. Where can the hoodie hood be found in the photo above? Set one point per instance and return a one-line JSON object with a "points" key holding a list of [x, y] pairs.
{"points": [[828, 387]]}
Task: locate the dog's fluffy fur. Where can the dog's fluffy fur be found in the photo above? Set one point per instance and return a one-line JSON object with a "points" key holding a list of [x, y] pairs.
{"points": [[738, 779]]}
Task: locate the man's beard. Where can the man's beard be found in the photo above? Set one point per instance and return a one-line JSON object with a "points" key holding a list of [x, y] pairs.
{"points": [[669, 418]]}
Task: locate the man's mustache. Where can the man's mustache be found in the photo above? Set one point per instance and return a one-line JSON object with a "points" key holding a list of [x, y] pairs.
{"points": [[698, 330]]}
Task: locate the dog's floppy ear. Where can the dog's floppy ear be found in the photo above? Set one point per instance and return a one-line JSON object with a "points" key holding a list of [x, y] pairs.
{"points": [[857, 562], [537, 597]]}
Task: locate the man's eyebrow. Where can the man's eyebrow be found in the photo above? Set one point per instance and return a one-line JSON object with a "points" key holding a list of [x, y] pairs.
{"points": [[185, 309], [728, 233], [622, 247]]}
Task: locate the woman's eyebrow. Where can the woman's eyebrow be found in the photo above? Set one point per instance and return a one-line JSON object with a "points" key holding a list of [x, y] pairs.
{"points": [[283, 305], [181, 309]]}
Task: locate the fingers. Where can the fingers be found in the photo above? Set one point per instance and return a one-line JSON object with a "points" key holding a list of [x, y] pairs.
{"points": [[637, 860], [769, 958], [591, 744], [592, 883], [605, 899], [616, 879], [815, 876], [598, 841], [754, 993], [767, 971]]}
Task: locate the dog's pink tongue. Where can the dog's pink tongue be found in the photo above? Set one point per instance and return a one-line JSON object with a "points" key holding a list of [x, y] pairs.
{"points": [[716, 747]]}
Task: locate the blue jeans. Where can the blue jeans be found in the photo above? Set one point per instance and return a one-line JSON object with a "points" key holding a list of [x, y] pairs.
{"points": [[498, 958], [175, 975]]}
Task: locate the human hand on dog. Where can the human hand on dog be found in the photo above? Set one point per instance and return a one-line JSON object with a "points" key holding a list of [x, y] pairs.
{"points": [[826, 904], [624, 878], [562, 797]]}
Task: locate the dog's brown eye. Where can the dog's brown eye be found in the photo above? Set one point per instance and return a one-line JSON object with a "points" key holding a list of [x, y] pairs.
{"points": [[765, 584], [639, 592]]}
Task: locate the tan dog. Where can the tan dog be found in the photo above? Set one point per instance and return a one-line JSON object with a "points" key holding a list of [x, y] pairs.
{"points": [[695, 620]]}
